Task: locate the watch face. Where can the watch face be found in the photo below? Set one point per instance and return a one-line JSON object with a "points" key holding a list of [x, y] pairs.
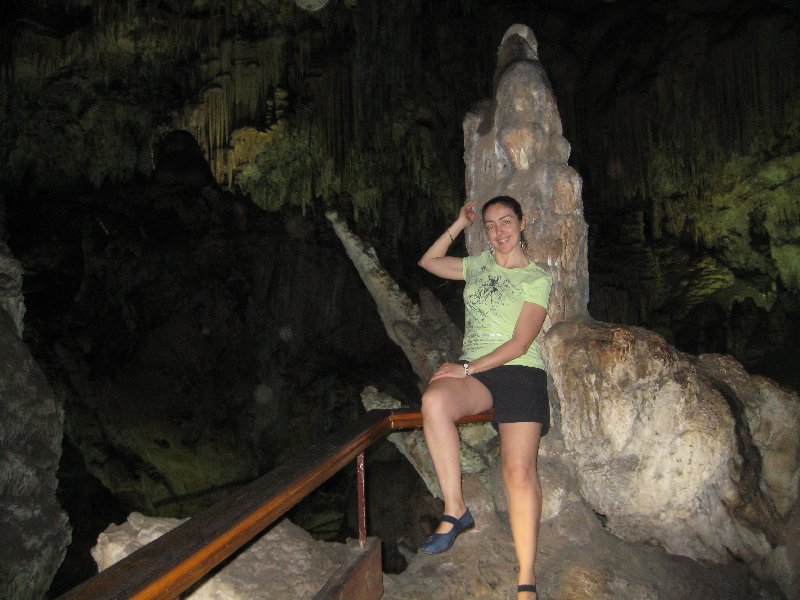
{"points": [[311, 4]]}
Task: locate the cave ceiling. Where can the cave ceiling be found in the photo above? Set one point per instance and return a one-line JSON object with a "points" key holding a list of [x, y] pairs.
{"points": [[684, 120]]}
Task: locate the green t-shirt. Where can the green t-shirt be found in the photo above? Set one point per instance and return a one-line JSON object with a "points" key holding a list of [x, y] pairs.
{"points": [[493, 298]]}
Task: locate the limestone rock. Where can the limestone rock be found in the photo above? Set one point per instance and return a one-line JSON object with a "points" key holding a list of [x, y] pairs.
{"points": [[769, 419], [648, 437], [655, 444], [782, 565], [577, 557], [772, 416], [33, 527], [118, 541], [285, 563], [11, 299]]}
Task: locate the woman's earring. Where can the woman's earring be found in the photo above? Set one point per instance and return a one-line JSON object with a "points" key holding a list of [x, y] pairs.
{"points": [[490, 248]]}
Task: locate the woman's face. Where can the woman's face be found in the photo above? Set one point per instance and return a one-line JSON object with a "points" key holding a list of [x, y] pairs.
{"points": [[503, 227]]}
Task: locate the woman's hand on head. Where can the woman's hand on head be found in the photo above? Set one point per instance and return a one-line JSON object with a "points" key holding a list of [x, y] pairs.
{"points": [[467, 213], [451, 370]]}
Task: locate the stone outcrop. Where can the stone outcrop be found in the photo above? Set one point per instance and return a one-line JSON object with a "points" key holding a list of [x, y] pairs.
{"points": [[579, 558], [656, 445], [663, 449], [424, 333], [11, 271], [771, 415], [33, 527], [284, 563]]}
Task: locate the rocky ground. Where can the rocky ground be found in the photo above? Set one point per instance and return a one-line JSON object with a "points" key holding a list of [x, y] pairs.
{"points": [[578, 558]]}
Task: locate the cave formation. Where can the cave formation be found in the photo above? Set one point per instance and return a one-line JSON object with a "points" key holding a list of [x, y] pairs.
{"points": [[167, 166]]}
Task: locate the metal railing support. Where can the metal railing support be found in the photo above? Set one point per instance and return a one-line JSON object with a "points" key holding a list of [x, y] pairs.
{"points": [[362, 500]]}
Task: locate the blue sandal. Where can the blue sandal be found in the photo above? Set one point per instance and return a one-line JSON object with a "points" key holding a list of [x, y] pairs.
{"points": [[441, 542], [527, 587]]}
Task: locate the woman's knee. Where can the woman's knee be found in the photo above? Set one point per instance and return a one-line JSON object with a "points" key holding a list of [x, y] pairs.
{"points": [[435, 403], [519, 473]]}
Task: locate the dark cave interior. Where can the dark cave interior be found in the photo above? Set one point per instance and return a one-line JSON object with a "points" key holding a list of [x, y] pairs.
{"points": [[167, 166]]}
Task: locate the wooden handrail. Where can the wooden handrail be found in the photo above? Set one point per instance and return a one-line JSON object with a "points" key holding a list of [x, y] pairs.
{"points": [[172, 563], [404, 418]]}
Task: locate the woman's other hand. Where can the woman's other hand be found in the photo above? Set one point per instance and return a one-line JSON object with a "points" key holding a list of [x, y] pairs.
{"points": [[453, 370]]}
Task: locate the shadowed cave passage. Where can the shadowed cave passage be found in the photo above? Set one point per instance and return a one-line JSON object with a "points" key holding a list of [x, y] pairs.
{"points": [[156, 351]]}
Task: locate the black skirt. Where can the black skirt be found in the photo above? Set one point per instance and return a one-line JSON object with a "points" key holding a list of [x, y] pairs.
{"points": [[519, 394]]}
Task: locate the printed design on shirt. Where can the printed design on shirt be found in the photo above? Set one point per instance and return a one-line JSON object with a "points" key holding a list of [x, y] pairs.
{"points": [[493, 291]]}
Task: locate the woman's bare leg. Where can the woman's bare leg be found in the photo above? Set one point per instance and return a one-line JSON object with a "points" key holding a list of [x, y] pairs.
{"points": [[519, 448], [443, 403]]}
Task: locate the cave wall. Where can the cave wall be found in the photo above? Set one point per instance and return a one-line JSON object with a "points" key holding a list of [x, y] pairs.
{"points": [[683, 118], [194, 354], [33, 525]]}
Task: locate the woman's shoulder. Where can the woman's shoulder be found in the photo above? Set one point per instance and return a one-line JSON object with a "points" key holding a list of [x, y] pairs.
{"points": [[536, 272], [483, 258]]}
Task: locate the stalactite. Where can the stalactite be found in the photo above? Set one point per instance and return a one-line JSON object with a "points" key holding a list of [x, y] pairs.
{"points": [[244, 73], [734, 103], [333, 117], [363, 117], [33, 51]]}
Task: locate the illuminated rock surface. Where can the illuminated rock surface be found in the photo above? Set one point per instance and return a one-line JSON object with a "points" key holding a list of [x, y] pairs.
{"points": [[284, 563]]}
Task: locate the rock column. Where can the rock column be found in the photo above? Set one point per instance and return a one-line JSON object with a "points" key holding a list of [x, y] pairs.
{"points": [[33, 527]]}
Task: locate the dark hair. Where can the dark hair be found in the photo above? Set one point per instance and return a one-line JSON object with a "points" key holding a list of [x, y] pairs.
{"points": [[506, 201]]}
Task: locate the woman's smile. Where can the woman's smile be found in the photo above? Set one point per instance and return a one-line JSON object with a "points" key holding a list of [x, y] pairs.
{"points": [[503, 241]]}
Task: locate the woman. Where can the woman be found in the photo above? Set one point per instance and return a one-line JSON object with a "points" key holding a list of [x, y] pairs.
{"points": [[506, 299]]}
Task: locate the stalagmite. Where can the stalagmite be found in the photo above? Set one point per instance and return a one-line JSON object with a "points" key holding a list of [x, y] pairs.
{"points": [[514, 146], [425, 342]]}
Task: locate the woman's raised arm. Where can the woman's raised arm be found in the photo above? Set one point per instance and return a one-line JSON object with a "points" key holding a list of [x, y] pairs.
{"points": [[435, 259]]}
